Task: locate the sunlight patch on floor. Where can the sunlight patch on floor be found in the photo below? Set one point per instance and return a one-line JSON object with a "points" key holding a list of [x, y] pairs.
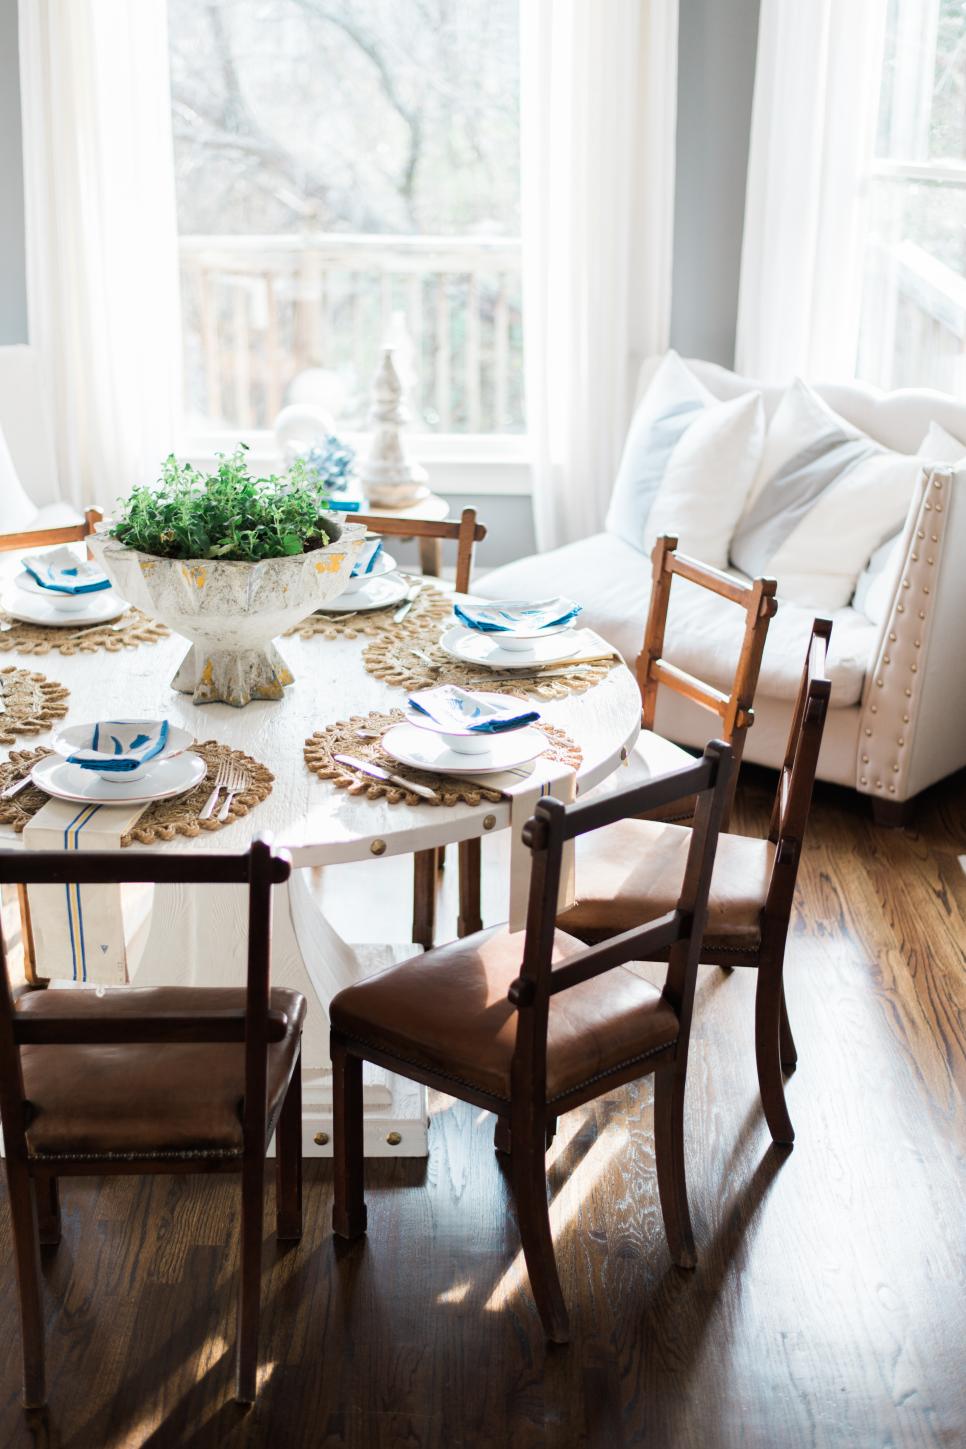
{"points": [[564, 1207]]}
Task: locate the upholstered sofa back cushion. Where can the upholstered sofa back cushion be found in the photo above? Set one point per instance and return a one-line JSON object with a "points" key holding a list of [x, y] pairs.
{"points": [[826, 496], [687, 465]]}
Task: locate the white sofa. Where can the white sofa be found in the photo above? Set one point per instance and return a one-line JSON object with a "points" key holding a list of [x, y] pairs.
{"points": [[29, 492], [897, 721]]}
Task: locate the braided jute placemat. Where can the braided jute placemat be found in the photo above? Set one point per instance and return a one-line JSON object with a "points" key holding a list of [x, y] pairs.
{"points": [[127, 632], [163, 819], [361, 735], [431, 607], [31, 703], [421, 664]]}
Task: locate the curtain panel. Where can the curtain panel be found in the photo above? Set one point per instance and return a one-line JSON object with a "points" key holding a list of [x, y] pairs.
{"points": [[812, 135], [102, 259], [598, 115]]}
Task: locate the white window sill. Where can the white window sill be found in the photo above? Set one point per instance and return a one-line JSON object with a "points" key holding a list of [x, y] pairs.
{"points": [[463, 465]]}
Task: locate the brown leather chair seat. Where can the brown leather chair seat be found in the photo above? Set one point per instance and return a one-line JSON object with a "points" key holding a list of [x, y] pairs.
{"points": [[633, 870], [146, 1100], [447, 1012]]}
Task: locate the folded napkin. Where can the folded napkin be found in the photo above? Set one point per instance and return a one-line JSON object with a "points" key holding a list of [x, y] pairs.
{"points": [[517, 616], [78, 930], [458, 709], [117, 746], [62, 572], [367, 558]]}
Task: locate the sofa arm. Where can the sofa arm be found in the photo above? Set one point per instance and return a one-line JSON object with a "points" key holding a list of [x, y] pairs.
{"points": [[913, 723]]}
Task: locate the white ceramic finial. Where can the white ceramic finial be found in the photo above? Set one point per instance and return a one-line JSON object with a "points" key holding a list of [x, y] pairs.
{"points": [[389, 478]]}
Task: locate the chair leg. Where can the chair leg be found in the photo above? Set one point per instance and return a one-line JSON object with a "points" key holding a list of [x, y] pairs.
{"points": [[768, 1052], [288, 1161], [529, 1178], [424, 898], [501, 1133], [48, 1209], [789, 1052], [250, 1283], [672, 1184], [26, 1248], [470, 918], [348, 1148]]}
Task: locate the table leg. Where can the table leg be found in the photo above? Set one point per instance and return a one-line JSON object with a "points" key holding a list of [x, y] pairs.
{"points": [[198, 937], [431, 557]]}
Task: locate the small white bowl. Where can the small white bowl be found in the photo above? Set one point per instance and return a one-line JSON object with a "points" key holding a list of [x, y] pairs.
{"points": [[63, 603], [384, 564], [67, 741]]}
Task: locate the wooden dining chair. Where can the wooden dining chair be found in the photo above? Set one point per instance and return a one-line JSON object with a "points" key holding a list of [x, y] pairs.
{"points": [[150, 1080], [734, 710], [530, 1029], [466, 533], [48, 537], [627, 873]]}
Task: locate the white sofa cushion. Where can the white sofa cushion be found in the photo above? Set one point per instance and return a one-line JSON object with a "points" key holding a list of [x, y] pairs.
{"points": [[613, 582], [687, 465], [826, 496]]}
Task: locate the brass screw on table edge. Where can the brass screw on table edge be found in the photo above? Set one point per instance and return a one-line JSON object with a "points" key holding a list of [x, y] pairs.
{"points": [[320, 1139], [394, 1138], [378, 847], [488, 822]]}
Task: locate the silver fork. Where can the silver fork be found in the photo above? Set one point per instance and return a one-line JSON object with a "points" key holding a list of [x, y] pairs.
{"points": [[221, 783], [237, 782]]}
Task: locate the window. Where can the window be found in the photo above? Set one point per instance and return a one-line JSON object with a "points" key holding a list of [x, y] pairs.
{"points": [[913, 327], [348, 174]]}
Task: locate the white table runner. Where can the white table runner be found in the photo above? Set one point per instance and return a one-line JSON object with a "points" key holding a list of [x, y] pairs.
{"points": [[78, 931]]}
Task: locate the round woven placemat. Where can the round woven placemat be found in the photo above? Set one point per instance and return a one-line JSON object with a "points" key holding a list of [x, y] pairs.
{"points": [[353, 736], [127, 632], [31, 703], [421, 664], [430, 608], [162, 820]]}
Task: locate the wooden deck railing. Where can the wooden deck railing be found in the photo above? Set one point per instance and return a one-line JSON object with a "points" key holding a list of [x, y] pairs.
{"points": [[260, 310]]}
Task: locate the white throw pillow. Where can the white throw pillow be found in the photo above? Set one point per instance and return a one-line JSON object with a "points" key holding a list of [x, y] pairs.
{"points": [[825, 498], [16, 509], [687, 465], [877, 582]]}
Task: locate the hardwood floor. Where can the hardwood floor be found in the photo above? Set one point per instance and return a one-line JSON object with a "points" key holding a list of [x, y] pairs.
{"points": [[828, 1307]]}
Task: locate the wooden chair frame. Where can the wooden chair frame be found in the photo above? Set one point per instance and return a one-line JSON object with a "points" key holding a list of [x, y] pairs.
{"points": [[466, 533], [679, 932], [34, 1199], [47, 537], [735, 709]]}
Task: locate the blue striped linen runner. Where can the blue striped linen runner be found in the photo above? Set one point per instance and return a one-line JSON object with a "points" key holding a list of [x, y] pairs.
{"points": [[78, 931]]}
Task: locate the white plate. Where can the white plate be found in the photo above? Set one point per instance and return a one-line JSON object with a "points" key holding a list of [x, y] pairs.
{"points": [[424, 751], [70, 782], [384, 564], [374, 594], [471, 647], [97, 608]]}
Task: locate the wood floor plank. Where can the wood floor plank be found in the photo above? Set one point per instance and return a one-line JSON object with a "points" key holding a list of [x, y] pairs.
{"points": [[828, 1308]]}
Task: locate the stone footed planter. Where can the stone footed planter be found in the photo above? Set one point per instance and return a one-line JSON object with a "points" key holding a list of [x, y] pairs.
{"points": [[230, 611]]}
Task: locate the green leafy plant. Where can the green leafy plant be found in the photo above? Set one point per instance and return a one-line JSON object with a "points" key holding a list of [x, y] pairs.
{"points": [[226, 514]]}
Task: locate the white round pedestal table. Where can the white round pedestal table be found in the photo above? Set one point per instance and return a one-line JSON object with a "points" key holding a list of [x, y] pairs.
{"points": [[197, 934]]}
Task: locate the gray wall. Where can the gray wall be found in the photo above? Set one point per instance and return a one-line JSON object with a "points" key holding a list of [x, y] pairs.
{"points": [[13, 278], [716, 75]]}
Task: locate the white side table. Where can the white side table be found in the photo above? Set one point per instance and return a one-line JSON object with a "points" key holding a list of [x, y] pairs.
{"points": [[432, 509]]}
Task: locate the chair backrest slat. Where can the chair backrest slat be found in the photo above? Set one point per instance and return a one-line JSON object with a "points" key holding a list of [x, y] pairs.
{"points": [[47, 537], [736, 707]]}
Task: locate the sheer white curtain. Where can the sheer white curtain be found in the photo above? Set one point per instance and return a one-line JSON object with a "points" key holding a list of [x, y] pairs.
{"points": [[101, 236], [598, 97], [812, 134]]}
